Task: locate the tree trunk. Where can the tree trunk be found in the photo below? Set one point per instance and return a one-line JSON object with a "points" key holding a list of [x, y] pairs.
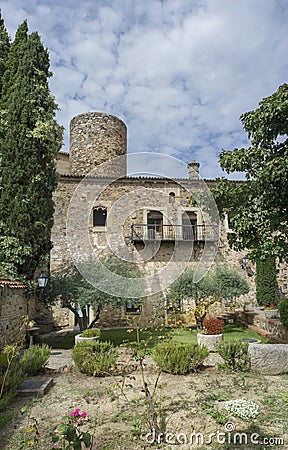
{"points": [[97, 317]]}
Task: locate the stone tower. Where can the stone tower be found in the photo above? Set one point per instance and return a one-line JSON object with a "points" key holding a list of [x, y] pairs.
{"points": [[96, 138]]}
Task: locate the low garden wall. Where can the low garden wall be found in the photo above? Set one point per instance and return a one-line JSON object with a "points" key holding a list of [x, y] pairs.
{"points": [[272, 328]]}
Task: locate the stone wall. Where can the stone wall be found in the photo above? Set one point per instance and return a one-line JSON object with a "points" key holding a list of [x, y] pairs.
{"points": [[62, 163], [96, 138], [14, 306], [271, 327]]}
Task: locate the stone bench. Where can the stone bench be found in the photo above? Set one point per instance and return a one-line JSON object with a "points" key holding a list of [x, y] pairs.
{"points": [[268, 359]]}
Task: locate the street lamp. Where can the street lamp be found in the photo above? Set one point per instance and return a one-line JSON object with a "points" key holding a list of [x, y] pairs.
{"points": [[42, 280], [244, 262]]}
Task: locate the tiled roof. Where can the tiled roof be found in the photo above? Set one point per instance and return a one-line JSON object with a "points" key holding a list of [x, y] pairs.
{"points": [[12, 284]]}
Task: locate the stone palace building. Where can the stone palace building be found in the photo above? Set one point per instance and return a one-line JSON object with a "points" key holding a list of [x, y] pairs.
{"points": [[152, 220]]}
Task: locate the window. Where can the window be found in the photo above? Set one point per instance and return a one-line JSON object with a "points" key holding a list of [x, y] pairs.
{"points": [[171, 197], [99, 217], [155, 224], [189, 226], [133, 308], [175, 307]]}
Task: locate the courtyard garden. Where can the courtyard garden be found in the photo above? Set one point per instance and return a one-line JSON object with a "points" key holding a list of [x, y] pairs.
{"points": [[202, 407], [124, 336]]}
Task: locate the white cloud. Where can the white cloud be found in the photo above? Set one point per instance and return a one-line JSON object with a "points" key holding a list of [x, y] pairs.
{"points": [[178, 72]]}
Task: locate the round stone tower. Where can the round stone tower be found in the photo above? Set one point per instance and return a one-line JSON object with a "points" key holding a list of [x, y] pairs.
{"points": [[96, 138]]}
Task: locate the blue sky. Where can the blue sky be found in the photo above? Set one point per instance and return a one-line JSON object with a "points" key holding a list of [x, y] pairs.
{"points": [[178, 72]]}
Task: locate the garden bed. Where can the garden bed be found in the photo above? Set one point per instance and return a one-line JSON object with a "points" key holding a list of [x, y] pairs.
{"points": [[191, 402]]}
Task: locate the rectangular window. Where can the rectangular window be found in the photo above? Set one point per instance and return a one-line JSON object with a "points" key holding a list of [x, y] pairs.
{"points": [[99, 217], [175, 307], [132, 308]]}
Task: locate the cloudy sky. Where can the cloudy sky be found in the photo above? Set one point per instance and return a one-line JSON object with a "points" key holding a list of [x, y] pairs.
{"points": [[178, 72]]}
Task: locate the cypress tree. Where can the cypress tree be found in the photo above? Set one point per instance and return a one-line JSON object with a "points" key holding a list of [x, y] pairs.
{"points": [[266, 281], [30, 141], [4, 48]]}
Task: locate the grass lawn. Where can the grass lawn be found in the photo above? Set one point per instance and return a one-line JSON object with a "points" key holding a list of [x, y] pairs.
{"points": [[125, 336]]}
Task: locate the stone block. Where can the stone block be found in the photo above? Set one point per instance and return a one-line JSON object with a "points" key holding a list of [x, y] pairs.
{"points": [[269, 359]]}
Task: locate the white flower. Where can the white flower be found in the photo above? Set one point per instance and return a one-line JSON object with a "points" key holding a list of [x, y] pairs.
{"points": [[245, 409]]}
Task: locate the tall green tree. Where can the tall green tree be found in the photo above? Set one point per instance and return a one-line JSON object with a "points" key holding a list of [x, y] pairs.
{"points": [[4, 48], [30, 140], [259, 206]]}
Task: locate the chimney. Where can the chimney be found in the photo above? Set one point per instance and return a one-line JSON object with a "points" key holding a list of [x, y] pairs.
{"points": [[193, 170]]}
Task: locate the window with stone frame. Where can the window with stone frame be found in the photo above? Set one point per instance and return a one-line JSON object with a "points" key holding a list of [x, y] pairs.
{"points": [[133, 308], [99, 216]]}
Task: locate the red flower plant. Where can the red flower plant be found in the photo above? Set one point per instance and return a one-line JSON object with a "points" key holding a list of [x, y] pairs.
{"points": [[213, 326]]}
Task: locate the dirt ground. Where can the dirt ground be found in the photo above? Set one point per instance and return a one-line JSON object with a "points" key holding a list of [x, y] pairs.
{"points": [[187, 404]]}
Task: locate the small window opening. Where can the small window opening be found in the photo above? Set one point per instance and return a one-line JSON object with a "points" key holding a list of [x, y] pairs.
{"points": [[171, 197], [131, 307], [99, 217]]}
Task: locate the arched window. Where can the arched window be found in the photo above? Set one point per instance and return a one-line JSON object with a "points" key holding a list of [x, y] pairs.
{"points": [[155, 224], [99, 217], [171, 197]]}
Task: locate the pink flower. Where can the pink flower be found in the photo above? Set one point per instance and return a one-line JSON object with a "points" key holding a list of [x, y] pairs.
{"points": [[83, 415], [75, 413]]}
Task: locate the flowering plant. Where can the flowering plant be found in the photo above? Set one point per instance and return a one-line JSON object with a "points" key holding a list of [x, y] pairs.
{"points": [[272, 306], [245, 409], [213, 326], [69, 433]]}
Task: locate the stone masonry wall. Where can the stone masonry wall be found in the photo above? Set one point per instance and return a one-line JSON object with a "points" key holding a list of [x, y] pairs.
{"points": [[146, 194], [94, 139], [14, 306]]}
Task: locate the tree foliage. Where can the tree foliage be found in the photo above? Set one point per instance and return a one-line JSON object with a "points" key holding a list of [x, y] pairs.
{"points": [[218, 284], [4, 48], [76, 293], [30, 140], [258, 206], [266, 281]]}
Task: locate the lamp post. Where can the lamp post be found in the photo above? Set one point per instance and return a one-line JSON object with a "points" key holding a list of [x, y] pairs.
{"points": [[244, 262], [42, 280]]}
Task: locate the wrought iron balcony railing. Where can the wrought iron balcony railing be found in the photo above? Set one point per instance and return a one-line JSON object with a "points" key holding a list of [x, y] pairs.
{"points": [[147, 232]]}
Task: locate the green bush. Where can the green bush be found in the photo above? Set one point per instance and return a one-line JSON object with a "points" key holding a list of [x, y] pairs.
{"points": [[179, 357], [91, 332], [283, 312], [35, 359], [95, 358], [235, 355], [11, 374]]}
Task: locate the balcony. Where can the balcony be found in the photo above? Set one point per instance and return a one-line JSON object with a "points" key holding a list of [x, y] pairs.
{"points": [[197, 233]]}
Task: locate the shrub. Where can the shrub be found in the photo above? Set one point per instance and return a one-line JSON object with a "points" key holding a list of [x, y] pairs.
{"points": [[235, 355], [213, 326], [95, 358], [178, 357], [283, 312], [90, 332], [11, 375], [35, 359], [266, 281]]}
